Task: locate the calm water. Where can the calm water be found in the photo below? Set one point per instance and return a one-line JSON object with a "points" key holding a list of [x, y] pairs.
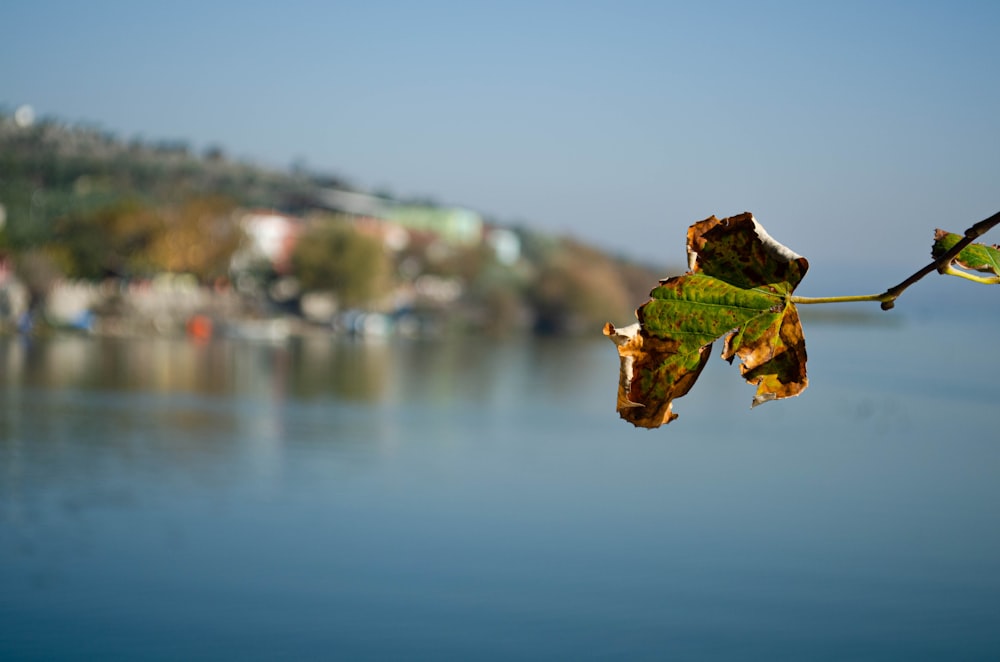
{"points": [[471, 500]]}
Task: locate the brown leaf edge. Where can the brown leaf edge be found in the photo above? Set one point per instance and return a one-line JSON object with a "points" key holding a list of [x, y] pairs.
{"points": [[638, 350]]}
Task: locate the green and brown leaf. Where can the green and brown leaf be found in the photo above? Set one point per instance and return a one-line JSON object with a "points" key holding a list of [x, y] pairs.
{"points": [[975, 257], [738, 286]]}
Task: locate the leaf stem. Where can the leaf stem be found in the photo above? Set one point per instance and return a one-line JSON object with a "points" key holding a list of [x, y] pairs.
{"points": [[941, 265], [844, 299], [985, 280]]}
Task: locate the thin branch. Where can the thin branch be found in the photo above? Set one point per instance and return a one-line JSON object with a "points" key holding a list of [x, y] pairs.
{"points": [[941, 265]]}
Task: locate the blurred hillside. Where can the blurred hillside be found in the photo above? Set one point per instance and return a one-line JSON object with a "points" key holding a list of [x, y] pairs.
{"points": [[124, 237]]}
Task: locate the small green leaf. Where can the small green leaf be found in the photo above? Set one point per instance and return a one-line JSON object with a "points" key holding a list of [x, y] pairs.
{"points": [[977, 257]]}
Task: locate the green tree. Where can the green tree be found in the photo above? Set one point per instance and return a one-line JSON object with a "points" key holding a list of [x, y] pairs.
{"points": [[198, 237], [112, 240], [576, 286], [333, 256]]}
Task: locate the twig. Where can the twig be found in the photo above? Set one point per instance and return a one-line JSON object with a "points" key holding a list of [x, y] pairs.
{"points": [[941, 265]]}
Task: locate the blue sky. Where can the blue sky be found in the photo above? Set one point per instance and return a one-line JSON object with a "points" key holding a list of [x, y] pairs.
{"points": [[850, 129]]}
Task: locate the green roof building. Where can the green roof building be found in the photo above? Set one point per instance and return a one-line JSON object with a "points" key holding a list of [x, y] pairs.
{"points": [[453, 224]]}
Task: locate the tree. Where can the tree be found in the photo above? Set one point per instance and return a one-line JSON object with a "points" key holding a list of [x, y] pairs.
{"points": [[110, 241], [576, 286], [198, 237], [333, 256]]}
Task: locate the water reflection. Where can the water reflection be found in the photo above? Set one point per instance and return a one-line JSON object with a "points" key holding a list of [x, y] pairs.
{"points": [[79, 410], [161, 365], [306, 367]]}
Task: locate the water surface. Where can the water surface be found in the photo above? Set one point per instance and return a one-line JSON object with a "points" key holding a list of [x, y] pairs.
{"points": [[328, 499]]}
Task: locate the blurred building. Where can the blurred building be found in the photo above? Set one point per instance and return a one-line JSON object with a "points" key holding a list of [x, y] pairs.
{"points": [[398, 223], [272, 236], [453, 225], [271, 239]]}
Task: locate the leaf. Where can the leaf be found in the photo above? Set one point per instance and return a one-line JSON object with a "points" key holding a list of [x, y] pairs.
{"points": [[738, 285], [977, 257]]}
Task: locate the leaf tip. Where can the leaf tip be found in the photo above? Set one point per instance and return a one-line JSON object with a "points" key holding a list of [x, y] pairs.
{"points": [[772, 245]]}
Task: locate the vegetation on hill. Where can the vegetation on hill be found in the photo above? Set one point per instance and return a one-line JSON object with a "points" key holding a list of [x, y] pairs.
{"points": [[79, 204]]}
